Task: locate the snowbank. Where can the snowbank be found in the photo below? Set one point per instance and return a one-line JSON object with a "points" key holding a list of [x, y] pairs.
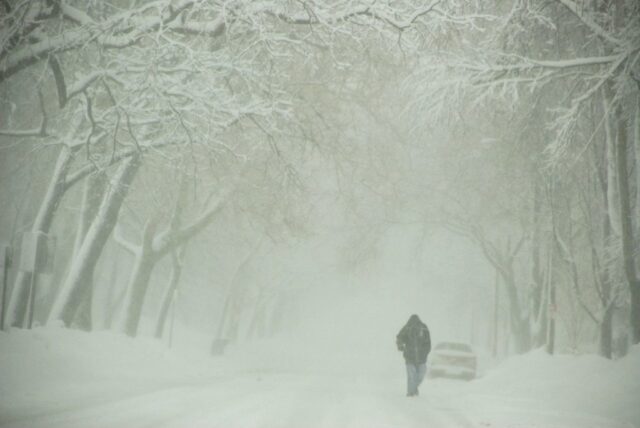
{"points": [[49, 367], [564, 385]]}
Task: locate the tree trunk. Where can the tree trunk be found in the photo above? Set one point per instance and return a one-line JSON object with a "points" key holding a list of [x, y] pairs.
{"points": [[538, 312], [627, 232], [551, 335], [113, 302], [612, 192], [137, 290], [168, 295], [520, 328], [636, 139], [94, 191], [635, 288], [84, 315], [229, 321], [233, 323], [606, 324], [74, 290], [606, 333], [17, 309], [139, 282], [521, 335], [219, 343], [496, 316], [257, 325], [635, 313], [605, 175], [150, 255]]}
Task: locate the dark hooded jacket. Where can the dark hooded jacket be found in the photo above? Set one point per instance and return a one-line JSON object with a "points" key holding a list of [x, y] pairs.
{"points": [[414, 341]]}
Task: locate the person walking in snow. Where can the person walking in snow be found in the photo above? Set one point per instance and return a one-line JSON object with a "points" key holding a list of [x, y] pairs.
{"points": [[414, 341]]}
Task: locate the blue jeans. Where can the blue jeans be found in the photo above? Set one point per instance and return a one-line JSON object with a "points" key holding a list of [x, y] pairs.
{"points": [[415, 375]]}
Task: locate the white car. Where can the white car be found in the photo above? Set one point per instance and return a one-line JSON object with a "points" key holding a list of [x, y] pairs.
{"points": [[453, 360]]}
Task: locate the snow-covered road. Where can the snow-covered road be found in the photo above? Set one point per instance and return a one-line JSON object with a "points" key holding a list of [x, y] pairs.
{"points": [[259, 400], [295, 400], [64, 378]]}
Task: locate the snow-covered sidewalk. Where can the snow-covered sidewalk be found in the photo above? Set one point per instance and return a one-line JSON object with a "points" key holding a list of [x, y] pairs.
{"points": [[63, 378]]}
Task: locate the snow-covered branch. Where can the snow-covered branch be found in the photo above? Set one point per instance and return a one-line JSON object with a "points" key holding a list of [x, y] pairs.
{"points": [[91, 167], [373, 10], [578, 11], [118, 31]]}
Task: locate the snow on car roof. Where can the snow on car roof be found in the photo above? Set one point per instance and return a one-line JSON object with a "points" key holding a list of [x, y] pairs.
{"points": [[454, 346]]}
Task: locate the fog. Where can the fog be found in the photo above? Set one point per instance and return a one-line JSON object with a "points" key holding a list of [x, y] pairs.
{"points": [[254, 197]]}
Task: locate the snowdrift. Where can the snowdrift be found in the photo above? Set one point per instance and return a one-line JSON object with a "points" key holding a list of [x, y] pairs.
{"points": [[568, 385], [50, 369]]}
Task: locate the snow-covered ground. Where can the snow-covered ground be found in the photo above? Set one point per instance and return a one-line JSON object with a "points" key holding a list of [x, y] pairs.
{"points": [[52, 377]]}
